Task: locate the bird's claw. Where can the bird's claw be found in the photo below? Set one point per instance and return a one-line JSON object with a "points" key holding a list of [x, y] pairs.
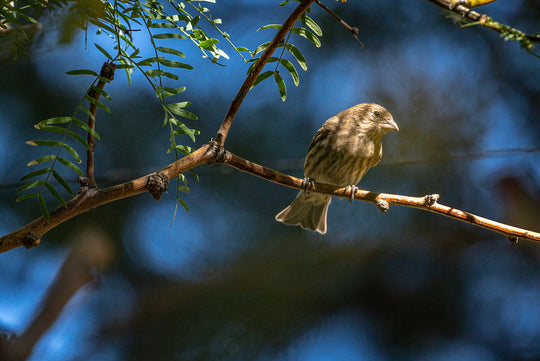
{"points": [[353, 190], [307, 183]]}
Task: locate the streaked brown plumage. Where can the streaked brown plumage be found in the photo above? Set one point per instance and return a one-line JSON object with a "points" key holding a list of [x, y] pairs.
{"points": [[341, 152]]}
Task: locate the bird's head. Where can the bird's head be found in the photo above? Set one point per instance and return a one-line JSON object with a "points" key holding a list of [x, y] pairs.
{"points": [[375, 118]]}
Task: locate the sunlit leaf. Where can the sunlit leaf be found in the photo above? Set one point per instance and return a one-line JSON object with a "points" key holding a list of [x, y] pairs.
{"points": [[281, 86], [292, 70]]}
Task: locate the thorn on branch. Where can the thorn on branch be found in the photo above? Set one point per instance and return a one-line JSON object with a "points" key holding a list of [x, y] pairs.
{"points": [[383, 205], [514, 240], [157, 184], [431, 199], [31, 240]]}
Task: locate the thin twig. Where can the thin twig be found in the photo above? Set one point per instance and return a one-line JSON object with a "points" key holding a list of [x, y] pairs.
{"points": [[107, 73], [353, 30], [92, 250], [458, 7], [427, 203], [252, 76]]}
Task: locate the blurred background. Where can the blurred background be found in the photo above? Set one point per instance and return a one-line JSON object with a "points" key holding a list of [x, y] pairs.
{"points": [[225, 281]]}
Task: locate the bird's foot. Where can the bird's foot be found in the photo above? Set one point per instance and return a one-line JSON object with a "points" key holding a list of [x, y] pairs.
{"points": [[307, 183], [353, 190]]}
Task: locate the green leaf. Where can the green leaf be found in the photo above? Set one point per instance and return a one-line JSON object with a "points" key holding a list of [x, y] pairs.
{"points": [[73, 152], [55, 193], [270, 26], [178, 109], [124, 66], [170, 51], [208, 44], [62, 181], [148, 61], [101, 91], [262, 76], [241, 48], [56, 120], [86, 128], [186, 130], [70, 165], [87, 112], [183, 189], [183, 204], [310, 23], [292, 70], [44, 159], [281, 86], [103, 51], [35, 174], [33, 184], [261, 48], [78, 138], [175, 64], [98, 103], [283, 3], [168, 91], [184, 149], [43, 207], [50, 128], [308, 35], [26, 196], [297, 55], [82, 72], [194, 174], [168, 36], [45, 143], [161, 25], [153, 73]]}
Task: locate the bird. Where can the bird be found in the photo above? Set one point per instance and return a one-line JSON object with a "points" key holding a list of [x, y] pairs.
{"points": [[341, 152]]}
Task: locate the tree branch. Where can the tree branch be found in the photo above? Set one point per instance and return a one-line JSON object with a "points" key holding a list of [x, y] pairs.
{"points": [[107, 73], [91, 250], [353, 30], [462, 8], [381, 200], [252, 76], [30, 235]]}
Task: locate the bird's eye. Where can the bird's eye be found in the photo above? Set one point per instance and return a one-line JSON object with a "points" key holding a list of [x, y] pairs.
{"points": [[376, 113]]}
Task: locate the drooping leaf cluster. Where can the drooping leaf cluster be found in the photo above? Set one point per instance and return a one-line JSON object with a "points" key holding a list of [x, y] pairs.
{"points": [[169, 26], [309, 30]]}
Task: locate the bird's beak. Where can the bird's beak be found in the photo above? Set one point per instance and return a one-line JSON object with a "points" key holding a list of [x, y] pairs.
{"points": [[390, 124]]}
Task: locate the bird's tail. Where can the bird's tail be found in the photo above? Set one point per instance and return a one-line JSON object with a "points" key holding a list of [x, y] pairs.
{"points": [[307, 210]]}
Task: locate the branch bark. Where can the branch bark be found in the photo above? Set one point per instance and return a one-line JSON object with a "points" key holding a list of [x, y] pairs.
{"points": [[381, 200], [107, 73]]}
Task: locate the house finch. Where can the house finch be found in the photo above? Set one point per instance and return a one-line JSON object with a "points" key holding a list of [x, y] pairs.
{"points": [[341, 152]]}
